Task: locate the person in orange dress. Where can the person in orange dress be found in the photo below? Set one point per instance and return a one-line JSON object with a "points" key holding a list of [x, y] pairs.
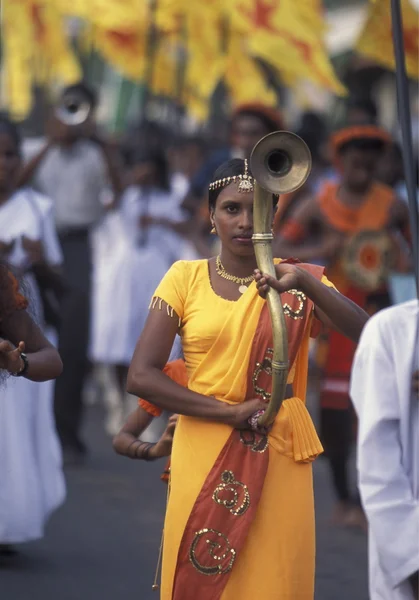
{"points": [[319, 231], [127, 442]]}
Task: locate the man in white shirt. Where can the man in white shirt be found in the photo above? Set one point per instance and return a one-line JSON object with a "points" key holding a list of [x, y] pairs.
{"points": [[74, 168], [384, 390]]}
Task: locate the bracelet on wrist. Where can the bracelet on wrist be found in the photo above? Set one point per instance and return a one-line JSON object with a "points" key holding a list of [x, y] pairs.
{"points": [[24, 368], [140, 449], [145, 451], [129, 451]]}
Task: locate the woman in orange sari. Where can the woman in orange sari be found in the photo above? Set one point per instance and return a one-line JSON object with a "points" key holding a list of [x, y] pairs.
{"points": [[240, 516]]}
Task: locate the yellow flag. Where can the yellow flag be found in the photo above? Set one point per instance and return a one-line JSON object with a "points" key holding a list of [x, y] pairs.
{"points": [[36, 48], [108, 14], [279, 35], [206, 59], [124, 50], [312, 13], [51, 45], [17, 37], [165, 70], [376, 40], [196, 106], [244, 79]]}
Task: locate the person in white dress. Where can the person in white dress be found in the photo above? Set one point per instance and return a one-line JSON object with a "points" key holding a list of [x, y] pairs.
{"points": [[132, 254], [31, 479], [384, 390]]}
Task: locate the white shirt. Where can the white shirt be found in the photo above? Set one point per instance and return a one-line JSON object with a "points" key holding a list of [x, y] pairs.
{"points": [[28, 213], [388, 447], [75, 179]]}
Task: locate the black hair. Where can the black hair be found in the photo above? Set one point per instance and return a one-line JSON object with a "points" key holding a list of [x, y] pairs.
{"points": [[7, 126], [230, 168], [269, 123], [367, 144], [365, 104], [313, 130], [141, 155], [149, 136], [84, 90]]}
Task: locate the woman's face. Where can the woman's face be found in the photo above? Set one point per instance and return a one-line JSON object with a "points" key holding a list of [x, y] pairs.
{"points": [[9, 162], [233, 220]]}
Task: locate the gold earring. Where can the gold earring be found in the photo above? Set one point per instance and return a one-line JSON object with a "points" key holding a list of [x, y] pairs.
{"points": [[213, 230]]}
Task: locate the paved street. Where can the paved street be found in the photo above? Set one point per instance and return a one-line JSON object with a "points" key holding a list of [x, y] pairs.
{"points": [[103, 544]]}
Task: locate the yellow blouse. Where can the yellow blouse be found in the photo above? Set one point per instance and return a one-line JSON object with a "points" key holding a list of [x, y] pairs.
{"points": [[216, 333]]}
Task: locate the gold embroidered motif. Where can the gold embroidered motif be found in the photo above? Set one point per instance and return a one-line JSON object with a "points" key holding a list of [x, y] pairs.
{"points": [[295, 314], [266, 366], [234, 489], [224, 558], [256, 441]]}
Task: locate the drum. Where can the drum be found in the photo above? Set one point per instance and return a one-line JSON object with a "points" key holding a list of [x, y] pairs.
{"points": [[368, 258]]}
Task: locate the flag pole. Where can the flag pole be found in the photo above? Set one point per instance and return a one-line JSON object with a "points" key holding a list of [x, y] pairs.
{"points": [[405, 122], [151, 48]]}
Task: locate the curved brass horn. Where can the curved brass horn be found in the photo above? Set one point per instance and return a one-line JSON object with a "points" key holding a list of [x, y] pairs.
{"points": [[280, 163], [73, 109]]}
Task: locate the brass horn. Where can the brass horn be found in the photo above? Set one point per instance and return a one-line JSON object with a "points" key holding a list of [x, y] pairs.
{"points": [[280, 163], [73, 109]]}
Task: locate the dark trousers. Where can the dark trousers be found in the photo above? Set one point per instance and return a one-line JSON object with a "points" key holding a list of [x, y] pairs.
{"points": [[73, 337], [337, 436]]}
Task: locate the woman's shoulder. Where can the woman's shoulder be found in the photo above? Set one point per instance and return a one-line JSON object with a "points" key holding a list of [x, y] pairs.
{"points": [[185, 274], [191, 267]]}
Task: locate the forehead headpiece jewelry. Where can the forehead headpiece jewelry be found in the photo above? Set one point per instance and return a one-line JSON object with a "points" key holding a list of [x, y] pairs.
{"points": [[245, 181]]}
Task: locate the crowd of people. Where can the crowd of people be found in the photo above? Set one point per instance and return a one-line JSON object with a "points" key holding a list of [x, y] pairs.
{"points": [[135, 259]]}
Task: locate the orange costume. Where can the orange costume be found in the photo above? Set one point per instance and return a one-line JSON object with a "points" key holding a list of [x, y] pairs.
{"points": [[372, 215], [337, 352]]}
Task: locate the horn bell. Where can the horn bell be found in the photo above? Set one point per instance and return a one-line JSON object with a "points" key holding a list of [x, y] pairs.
{"points": [[280, 162], [73, 110]]}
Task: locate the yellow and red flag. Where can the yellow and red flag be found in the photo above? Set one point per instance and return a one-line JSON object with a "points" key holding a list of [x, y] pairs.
{"points": [[206, 58], [16, 67], [108, 14], [36, 49], [244, 79], [165, 68], [51, 47], [125, 50], [376, 40], [278, 34]]}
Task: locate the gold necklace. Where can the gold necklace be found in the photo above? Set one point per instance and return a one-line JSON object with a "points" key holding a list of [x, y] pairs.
{"points": [[241, 281]]}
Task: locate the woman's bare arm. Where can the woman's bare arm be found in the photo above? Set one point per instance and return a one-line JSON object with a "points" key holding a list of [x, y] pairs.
{"points": [[146, 379], [44, 360], [127, 443], [332, 308]]}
